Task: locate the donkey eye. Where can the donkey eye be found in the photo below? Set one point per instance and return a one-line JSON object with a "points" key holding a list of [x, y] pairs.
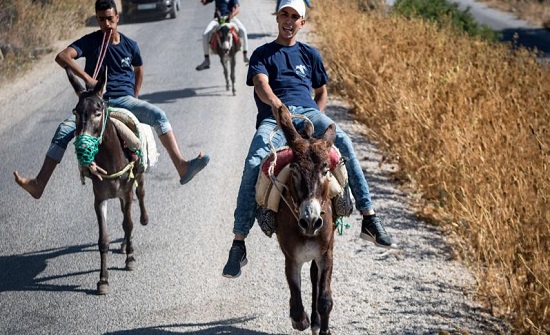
{"points": [[98, 113], [325, 169]]}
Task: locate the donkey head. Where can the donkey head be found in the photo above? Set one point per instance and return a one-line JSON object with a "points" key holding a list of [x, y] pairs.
{"points": [[309, 183], [90, 109], [225, 36], [90, 117]]}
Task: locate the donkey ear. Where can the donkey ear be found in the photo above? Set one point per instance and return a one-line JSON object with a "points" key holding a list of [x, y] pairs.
{"points": [[75, 83], [307, 131], [330, 135], [101, 85], [285, 123]]}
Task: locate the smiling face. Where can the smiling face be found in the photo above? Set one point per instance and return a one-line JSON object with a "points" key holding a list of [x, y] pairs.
{"points": [[289, 23]]}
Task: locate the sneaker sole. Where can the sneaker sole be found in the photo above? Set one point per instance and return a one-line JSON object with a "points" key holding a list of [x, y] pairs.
{"points": [[243, 263], [369, 238]]}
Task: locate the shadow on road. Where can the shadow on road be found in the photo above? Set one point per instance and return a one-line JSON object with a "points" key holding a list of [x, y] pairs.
{"points": [[21, 272], [211, 328], [529, 38], [172, 96]]}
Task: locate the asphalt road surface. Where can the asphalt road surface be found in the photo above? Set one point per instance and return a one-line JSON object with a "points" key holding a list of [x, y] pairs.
{"points": [[49, 259]]}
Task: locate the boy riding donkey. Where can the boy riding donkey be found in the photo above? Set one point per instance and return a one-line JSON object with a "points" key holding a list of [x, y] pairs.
{"points": [[224, 8], [288, 72], [121, 56]]}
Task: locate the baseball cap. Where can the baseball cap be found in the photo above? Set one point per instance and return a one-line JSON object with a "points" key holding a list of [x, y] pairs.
{"points": [[297, 5]]}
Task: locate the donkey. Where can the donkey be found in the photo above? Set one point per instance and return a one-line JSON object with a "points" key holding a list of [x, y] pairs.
{"points": [[225, 43], [96, 132], [304, 222]]}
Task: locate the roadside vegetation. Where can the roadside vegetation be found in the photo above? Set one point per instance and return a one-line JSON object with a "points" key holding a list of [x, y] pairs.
{"points": [[466, 119], [30, 28]]}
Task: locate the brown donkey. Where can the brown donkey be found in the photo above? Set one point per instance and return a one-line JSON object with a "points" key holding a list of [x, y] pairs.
{"points": [[305, 228], [98, 140]]}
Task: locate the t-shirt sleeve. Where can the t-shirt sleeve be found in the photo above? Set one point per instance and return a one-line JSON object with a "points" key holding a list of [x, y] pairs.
{"points": [[83, 45], [255, 66], [136, 58], [319, 74]]}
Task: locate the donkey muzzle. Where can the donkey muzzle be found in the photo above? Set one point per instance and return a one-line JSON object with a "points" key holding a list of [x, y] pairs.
{"points": [[310, 219]]}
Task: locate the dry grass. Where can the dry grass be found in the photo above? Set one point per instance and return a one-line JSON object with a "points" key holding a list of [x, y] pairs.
{"points": [[29, 28], [468, 123]]}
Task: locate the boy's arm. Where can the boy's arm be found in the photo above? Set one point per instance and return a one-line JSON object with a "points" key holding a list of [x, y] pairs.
{"points": [[265, 93], [66, 58], [138, 74], [320, 97]]}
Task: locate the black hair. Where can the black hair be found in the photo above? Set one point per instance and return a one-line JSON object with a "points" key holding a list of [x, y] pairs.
{"points": [[104, 5]]}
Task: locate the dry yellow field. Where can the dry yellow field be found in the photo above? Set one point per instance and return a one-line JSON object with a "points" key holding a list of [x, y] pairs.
{"points": [[468, 123]]}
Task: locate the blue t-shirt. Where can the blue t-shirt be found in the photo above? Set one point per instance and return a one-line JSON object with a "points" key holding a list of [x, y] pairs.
{"points": [[120, 60], [226, 6], [292, 71]]}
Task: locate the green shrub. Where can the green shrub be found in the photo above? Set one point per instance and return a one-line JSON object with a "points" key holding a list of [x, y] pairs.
{"points": [[444, 13]]}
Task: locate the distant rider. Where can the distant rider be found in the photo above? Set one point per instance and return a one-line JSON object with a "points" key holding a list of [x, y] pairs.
{"points": [[224, 8], [125, 76]]}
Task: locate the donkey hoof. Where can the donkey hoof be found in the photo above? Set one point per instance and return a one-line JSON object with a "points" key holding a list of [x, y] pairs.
{"points": [[144, 221], [131, 264], [102, 288], [300, 325]]}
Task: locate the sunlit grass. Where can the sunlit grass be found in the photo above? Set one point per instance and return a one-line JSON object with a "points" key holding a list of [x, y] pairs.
{"points": [[469, 124], [29, 28]]}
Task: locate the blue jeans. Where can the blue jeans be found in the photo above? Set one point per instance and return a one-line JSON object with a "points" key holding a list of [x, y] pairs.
{"points": [[144, 111], [245, 212]]}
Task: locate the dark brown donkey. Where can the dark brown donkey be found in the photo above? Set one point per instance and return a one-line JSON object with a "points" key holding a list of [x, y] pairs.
{"points": [[94, 126], [305, 228]]}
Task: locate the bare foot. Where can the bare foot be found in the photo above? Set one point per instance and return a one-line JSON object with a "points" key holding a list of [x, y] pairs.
{"points": [[33, 186]]}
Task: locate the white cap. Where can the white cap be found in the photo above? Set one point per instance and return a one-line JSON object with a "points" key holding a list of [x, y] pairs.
{"points": [[297, 5]]}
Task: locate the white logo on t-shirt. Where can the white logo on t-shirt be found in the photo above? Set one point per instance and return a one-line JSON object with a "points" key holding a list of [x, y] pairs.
{"points": [[301, 70], [125, 62]]}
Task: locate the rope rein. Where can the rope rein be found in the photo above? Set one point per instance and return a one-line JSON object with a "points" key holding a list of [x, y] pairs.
{"points": [[102, 52]]}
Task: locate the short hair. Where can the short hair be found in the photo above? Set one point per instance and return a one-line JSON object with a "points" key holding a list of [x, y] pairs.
{"points": [[104, 5]]}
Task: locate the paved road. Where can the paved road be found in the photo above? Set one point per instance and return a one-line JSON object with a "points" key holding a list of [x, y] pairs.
{"points": [[48, 254]]}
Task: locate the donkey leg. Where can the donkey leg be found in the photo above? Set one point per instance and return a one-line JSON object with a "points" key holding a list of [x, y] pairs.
{"points": [[233, 62], [225, 73], [103, 243], [315, 318], [128, 226], [325, 293], [299, 318], [140, 193]]}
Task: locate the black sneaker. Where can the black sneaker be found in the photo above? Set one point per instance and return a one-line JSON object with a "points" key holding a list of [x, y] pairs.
{"points": [[237, 259], [204, 65], [373, 231]]}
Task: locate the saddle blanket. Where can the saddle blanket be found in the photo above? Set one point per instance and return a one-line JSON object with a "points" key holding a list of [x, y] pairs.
{"points": [[137, 135], [268, 195]]}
